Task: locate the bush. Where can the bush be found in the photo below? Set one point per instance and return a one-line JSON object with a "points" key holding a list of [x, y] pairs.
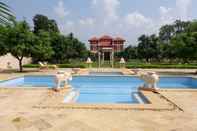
{"points": [[59, 65], [31, 66], [71, 66], [167, 66]]}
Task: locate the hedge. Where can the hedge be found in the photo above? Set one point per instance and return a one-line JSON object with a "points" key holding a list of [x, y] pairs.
{"points": [[59, 66], [140, 65], [178, 66]]}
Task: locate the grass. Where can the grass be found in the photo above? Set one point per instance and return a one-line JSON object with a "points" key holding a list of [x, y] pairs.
{"points": [[59, 65], [167, 66], [129, 64]]}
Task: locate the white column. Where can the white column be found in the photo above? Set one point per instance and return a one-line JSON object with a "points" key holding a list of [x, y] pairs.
{"points": [[112, 59], [99, 59], [103, 60]]}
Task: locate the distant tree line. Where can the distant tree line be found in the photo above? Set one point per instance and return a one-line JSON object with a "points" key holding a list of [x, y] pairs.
{"points": [[42, 43], [175, 42]]}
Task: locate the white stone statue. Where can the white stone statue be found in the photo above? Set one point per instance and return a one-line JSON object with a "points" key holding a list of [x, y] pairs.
{"points": [[58, 80], [68, 76], [89, 61], [122, 61], [150, 78], [62, 76]]}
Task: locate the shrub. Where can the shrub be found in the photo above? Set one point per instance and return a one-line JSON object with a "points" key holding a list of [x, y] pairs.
{"points": [[178, 66], [59, 65], [71, 66], [31, 66]]}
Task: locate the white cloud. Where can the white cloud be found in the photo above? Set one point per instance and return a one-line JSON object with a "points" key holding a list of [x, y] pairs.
{"points": [[106, 9], [183, 8], [67, 27], [94, 2], [69, 23], [164, 10], [60, 10], [137, 19], [179, 11], [166, 15], [106, 19], [110, 7], [87, 21]]}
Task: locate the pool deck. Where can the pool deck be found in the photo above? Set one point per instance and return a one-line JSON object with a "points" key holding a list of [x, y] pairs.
{"points": [[43, 110]]}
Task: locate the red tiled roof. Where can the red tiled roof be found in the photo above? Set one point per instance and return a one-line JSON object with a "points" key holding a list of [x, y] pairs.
{"points": [[93, 39], [106, 37], [106, 41], [119, 39]]}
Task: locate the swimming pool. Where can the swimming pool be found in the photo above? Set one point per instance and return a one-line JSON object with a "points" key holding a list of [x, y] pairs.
{"points": [[106, 89], [177, 82], [30, 81], [102, 88], [105, 73], [121, 89]]}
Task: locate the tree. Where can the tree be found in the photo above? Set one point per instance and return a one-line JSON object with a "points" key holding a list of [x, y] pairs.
{"points": [[42, 50], [156, 47], [3, 38], [42, 22], [70, 36], [53, 26], [167, 51], [168, 31], [148, 47], [192, 27], [129, 53], [59, 47], [66, 48], [185, 46], [143, 47], [78, 49], [6, 14], [20, 41], [165, 33], [180, 26]]}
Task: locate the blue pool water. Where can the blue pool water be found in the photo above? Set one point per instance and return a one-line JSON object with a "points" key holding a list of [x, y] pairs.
{"points": [[102, 89], [178, 82], [120, 89], [106, 89], [30, 81], [105, 73]]}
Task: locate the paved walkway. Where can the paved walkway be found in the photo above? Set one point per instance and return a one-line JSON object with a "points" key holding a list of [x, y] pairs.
{"points": [[19, 112]]}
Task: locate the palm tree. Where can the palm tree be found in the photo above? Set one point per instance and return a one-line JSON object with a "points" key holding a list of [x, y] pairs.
{"points": [[6, 15]]}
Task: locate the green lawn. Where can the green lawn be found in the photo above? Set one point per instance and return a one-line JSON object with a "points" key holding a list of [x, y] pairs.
{"points": [[130, 64], [178, 66]]}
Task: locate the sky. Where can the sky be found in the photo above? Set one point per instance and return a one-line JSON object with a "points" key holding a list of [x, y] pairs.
{"points": [[124, 18]]}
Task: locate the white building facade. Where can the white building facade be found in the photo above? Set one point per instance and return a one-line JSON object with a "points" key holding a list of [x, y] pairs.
{"points": [[4, 60]]}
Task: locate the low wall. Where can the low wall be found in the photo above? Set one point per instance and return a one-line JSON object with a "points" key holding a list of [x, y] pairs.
{"points": [[13, 61]]}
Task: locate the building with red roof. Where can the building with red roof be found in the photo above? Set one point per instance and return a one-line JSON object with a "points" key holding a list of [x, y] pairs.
{"points": [[106, 46], [99, 44]]}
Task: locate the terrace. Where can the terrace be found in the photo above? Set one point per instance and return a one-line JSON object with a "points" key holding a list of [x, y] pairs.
{"points": [[47, 112]]}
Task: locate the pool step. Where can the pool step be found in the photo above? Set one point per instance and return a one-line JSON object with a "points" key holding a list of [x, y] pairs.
{"points": [[71, 97], [138, 98]]}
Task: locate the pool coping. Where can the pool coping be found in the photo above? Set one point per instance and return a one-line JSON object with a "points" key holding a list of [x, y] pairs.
{"points": [[158, 102], [25, 87]]}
